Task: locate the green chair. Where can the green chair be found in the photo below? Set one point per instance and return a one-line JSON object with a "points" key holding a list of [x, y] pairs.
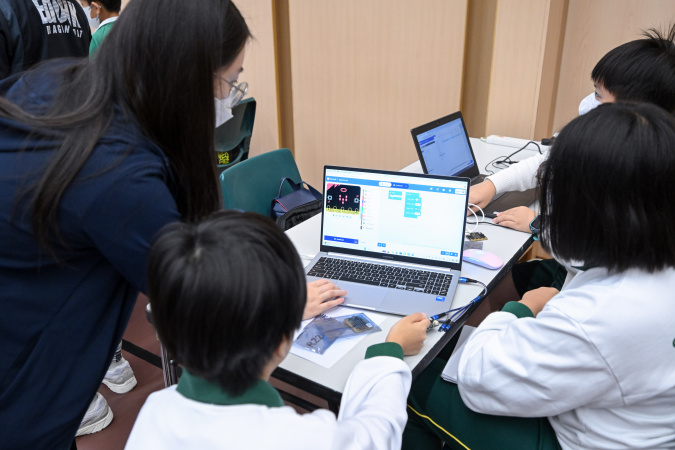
{"points": [[251, 185], [233, 138]]}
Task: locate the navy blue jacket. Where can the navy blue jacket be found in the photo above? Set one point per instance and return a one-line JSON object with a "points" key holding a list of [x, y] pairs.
{"points": [[60, 323]]}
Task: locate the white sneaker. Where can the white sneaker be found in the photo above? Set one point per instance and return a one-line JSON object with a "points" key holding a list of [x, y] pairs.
{"points": [[98, 416], [119, 377]]}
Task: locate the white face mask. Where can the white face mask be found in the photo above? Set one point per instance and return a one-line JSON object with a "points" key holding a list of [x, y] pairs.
{"points": [[589, 102], [223, 111], [93, 23]]}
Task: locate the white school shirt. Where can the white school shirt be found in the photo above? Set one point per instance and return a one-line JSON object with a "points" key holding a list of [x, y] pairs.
{"points": [[372, 416], [520, 176], [598, 361]]}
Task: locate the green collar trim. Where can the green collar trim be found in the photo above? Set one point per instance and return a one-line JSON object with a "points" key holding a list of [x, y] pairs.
{"points": [[203, 391], [518, 309]]}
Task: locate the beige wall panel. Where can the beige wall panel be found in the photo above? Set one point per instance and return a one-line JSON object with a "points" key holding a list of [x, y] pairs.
{"points": [[366, 71], [260, 73], [550, 68], [519, 49], [594, 28], [477, 64]]}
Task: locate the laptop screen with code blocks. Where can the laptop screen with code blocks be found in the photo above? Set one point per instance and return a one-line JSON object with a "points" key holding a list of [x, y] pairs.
{"points": [[444, 148], [394, 215]]}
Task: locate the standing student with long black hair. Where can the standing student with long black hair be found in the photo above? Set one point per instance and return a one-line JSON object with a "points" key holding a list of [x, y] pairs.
{"points": [[95, 157]]}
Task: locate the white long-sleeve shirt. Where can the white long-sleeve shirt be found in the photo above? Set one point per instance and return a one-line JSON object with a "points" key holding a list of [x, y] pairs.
{"points": [[520, 176], [598, 361], [372, 416]]}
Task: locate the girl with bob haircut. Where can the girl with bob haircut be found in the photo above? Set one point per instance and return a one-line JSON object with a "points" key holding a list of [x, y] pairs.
{"points": [[95, 157], [230, 333], [591, 366]]}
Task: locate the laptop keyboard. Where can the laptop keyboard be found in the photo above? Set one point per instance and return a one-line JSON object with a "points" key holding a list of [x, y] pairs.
{"points": [[423, 281]]}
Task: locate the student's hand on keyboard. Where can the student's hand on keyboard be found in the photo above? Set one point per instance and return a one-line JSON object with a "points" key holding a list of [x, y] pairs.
{"points": [[322, 295], [410, 333], [518, 218], [482, 193]]}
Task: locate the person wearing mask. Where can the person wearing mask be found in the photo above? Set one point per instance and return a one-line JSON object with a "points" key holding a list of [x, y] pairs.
{"points": [[91, 167], [642, 70], [102, 14], [591, 366], [32, 31]]}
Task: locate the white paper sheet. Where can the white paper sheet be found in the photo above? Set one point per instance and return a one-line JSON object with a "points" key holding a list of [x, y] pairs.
{"points": [[452, 367], [340, 347]]}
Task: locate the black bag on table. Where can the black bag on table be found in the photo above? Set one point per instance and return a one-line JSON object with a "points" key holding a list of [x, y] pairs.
{"points": [[297, 206]]}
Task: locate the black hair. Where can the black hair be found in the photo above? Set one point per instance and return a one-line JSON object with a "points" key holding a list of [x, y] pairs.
{"points": [[110, 5], [606, 189], [160, 74], [642, 70], [224, 293]]}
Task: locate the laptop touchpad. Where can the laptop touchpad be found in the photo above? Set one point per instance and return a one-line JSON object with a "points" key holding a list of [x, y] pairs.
{"points": [[363, 294]]}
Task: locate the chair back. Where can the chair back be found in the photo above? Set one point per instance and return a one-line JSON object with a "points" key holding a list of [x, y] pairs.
{"points": [[233, 138], [251, 185]]}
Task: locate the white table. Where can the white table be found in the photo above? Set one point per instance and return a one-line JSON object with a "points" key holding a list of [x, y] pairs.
{"points": [[329, 383]]}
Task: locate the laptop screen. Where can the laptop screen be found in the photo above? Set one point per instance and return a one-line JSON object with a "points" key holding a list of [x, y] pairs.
{"points": [[393, 215], [444, 148]]}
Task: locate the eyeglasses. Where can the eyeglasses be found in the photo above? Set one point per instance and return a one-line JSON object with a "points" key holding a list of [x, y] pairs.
{"points": [[237, 92]]}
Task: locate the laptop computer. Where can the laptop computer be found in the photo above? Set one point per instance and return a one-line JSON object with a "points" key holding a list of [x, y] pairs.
{"points": [[393, 240], [444, 148]]}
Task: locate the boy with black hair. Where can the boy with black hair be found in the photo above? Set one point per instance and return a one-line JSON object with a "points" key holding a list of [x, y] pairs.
{"points": [[230, 333], [101, 14], [642, 70]]}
